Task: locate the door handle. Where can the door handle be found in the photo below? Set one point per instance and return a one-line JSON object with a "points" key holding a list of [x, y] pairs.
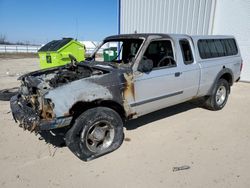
{"points": [[177, 74]]}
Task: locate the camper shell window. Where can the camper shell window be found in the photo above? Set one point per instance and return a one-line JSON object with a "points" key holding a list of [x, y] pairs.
{"points": [[213, 48]]}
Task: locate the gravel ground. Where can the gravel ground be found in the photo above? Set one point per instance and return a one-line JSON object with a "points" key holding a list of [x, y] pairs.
{"points": [[215, 145]]}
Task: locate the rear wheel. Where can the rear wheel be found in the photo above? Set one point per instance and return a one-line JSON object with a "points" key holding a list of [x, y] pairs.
{"points": [[95, 132], [218, 99]]}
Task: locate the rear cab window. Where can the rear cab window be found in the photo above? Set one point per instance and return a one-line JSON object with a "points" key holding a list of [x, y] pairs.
{"points": [[186, 51]]}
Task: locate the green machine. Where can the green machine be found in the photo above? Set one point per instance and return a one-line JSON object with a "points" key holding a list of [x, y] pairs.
{"points": [[56, 52]]}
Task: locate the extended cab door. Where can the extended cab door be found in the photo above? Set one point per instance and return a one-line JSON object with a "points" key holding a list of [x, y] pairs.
{"points": [[165, 84], [191, 69]]}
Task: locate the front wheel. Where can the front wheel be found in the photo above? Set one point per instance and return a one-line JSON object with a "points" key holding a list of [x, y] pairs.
{"points": [[95, 132], [218, 99]]}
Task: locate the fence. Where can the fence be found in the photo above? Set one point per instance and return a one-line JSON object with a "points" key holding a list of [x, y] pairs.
{"points": [[19, 48], [29, 49], [89, 50]]}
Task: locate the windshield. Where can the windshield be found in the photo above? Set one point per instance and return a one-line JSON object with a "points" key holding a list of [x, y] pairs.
{"points": [[118, 51]]}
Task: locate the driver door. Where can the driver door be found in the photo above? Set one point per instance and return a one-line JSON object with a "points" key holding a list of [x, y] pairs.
{"points": [[160, 87]]}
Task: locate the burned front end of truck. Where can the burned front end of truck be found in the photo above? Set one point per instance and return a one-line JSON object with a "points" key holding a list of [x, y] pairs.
{"points": [[47, 99], [91, 98]]}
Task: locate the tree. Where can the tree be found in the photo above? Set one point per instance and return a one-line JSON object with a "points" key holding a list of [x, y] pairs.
{"points": [[2, 39]]}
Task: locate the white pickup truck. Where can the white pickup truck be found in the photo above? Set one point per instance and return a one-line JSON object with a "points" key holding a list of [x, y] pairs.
{"points": [[139, 74]]}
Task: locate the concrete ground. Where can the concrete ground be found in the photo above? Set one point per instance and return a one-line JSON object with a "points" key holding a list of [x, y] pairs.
{"points": [[214, 144]]}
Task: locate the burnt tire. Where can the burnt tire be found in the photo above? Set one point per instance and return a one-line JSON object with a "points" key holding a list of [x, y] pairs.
{"points": [[218, 99], [6, 94], [95, 132]]}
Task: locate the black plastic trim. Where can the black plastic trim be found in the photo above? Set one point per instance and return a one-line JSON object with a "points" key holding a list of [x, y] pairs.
{"points": [[155, 99]]}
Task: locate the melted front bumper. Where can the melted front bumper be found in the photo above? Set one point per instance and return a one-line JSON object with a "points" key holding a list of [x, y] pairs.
{"points": [[30, 120]]}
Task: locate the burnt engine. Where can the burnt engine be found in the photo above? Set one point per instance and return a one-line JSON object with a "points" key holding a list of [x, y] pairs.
{"points": [[48, 79]]}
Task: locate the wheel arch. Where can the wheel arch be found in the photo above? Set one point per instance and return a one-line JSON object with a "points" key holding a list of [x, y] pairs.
{"points": [[81, 106], [226, 74]]}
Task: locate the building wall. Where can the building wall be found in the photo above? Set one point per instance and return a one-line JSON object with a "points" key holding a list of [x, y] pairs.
{"points": [[233, 18], [224, 17], [167, 16]]}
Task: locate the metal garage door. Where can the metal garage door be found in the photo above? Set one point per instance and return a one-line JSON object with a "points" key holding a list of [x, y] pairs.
{"points": [[233, 18], [166, 16]]}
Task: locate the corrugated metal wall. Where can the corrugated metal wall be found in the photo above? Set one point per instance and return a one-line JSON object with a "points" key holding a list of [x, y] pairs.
{"points": [[167, 16], [190, 17]]}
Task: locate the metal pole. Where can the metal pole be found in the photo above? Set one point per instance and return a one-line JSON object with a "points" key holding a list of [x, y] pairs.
{"points": [[119, 25], [119, 17]]}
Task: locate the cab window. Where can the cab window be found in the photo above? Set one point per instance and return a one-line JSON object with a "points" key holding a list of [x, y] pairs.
{"points": [[118, 51], [186, 52], [161, 53]]}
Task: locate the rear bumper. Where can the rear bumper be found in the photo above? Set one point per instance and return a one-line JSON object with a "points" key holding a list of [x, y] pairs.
{"points": [[30, 120]]}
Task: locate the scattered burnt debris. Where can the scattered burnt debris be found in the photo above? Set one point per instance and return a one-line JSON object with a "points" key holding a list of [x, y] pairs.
{"points": [[184, 167], [127, 139], [6, 94]]}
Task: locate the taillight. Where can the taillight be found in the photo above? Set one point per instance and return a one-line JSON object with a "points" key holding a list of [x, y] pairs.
{"points": [[241, 65]]}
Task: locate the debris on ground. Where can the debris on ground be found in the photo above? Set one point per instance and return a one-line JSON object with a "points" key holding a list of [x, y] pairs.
{"points": [[127, 139], [6, 94], [184, 167], [52, 153], [15, 74]]}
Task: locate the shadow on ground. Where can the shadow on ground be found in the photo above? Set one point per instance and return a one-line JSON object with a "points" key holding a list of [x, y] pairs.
{"points": [[56, 138], [163, 113]]}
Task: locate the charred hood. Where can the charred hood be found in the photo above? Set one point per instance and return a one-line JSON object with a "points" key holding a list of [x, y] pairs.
{"points": [[55, 77]]}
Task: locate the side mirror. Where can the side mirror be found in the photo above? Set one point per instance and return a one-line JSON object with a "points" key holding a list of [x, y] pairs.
{"points": [[145, 65]]}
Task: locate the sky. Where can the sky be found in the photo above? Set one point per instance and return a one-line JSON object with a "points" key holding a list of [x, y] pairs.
{"points": [[40, 21]]}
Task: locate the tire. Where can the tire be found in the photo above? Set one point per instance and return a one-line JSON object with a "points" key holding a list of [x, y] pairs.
{"points": [[218, 99], [6, 94], [95, 132]]}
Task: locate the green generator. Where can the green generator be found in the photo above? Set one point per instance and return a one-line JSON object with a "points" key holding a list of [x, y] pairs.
{"points": [[56, 52]]}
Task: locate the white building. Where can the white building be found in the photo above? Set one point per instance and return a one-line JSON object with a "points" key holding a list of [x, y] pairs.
{"points": [[92, 45], [195, 17]]}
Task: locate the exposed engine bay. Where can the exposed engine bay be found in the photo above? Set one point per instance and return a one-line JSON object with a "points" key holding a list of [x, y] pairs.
{"points": [[56, 77]]}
